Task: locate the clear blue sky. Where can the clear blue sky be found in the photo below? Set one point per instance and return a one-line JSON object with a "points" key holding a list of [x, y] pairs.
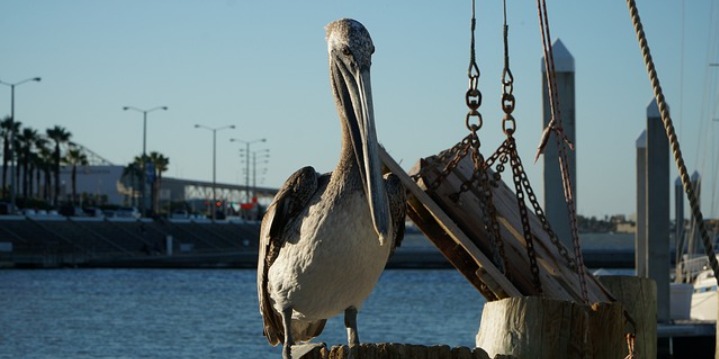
{"points": [[262, 66]]}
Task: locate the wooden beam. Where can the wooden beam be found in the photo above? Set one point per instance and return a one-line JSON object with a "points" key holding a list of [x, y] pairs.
{"points": [[453, 221], [502, 286]]}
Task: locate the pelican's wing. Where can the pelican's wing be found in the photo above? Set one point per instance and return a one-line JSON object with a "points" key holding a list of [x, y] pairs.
{"points": [[397, 197], [289, 202]]}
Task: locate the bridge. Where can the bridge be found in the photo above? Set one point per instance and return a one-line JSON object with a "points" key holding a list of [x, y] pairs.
{"points": [[177, 189], [101, 176]]}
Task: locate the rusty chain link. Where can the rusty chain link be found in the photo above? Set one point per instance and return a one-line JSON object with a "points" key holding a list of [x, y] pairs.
{"points": [[484, 178]]}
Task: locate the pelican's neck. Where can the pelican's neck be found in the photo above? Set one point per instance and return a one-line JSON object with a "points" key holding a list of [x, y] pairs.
{"points": [[347, 166]]}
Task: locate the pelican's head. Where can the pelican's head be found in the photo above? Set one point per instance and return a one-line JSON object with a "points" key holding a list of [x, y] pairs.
{"points": [[350, 51]]}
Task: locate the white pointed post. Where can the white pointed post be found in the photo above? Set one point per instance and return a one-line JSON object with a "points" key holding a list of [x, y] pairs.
{"points": [[555, 205], [657, 209], [640, 239]]}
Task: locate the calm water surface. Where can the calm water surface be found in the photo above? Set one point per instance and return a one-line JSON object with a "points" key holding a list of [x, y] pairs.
{"points": [[138, 313]]}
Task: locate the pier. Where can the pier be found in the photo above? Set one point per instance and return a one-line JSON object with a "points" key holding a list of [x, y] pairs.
{"points": [[57, 241]]}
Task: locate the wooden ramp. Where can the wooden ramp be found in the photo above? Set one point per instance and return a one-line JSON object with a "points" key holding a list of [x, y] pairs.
{"points": [[455, 226]]}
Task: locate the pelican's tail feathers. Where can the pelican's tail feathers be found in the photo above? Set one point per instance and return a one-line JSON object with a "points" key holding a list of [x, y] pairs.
{"points": [[272, 325]]}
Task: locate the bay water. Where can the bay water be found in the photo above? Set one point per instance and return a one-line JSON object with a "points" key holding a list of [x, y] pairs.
{"points": [[207, 313]]}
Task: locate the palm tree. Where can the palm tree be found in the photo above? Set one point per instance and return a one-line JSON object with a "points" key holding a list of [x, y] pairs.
{"points": [[26, 141], [160, 162], [45, 165], [40, 160], [133, 172], [6, 127], [75, 157], [60, 136]]}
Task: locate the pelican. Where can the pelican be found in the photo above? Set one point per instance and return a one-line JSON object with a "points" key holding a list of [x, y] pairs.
{"points": [[326, 238]]}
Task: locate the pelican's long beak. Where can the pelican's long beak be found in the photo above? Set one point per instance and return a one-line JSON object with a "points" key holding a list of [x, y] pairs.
{"points": [[354, 92]]}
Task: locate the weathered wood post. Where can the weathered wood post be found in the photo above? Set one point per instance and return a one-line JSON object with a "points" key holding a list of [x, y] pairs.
{"points": [[537, 327], [555, 205], [640, 239], [638, 297]]}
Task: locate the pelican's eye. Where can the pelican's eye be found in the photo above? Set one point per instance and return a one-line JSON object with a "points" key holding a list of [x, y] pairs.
{"points": [[346, 51]]}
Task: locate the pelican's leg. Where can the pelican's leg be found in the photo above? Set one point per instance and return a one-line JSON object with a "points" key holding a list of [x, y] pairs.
{"points": [[287, 326], [351, 325]]}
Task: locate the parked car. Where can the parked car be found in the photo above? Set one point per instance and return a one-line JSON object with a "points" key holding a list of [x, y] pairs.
{"points": [[179, 215], [71, 211], [93, 212], [127, 212]]}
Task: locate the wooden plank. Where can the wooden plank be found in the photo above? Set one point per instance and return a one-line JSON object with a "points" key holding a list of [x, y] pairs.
{"points": [[454, 232], [440, 210], [459, 258], [558, 280]]}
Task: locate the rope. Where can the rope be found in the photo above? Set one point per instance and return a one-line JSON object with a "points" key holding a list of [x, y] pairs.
{"points": [[555, 124], [674, 143]]}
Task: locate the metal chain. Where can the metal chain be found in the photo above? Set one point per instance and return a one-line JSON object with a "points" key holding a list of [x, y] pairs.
{"points": [[561, 140], [517, 172], [459, 150], [473, 119], [539, 212], [473, 97], [509, 148], [491, 224]]}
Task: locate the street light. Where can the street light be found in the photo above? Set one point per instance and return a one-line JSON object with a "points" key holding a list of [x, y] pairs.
{"points": [[13, 178], [264, 156], [214, 161], [144, 149], [248, 143]]}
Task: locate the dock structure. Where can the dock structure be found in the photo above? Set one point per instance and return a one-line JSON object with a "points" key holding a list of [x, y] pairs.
{"points": [[451, 218], [640, 237], [555, 205], [657, 209]]}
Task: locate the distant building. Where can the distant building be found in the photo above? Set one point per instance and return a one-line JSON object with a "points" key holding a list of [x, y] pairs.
{"points": [[97, 182]]}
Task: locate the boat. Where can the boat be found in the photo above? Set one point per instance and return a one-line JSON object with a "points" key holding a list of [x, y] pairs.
{"points": [[696, 270], [704, 297]]}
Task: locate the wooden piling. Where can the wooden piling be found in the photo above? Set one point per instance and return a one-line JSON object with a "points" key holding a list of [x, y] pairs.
{"points": [[536, 327], [638, 296], [400, 351]]}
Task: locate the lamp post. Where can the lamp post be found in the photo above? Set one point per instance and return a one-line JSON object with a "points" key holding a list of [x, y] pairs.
{"points": [[13, 177], [264, 156], [144, 149], [214, 161], [247, 144]]}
